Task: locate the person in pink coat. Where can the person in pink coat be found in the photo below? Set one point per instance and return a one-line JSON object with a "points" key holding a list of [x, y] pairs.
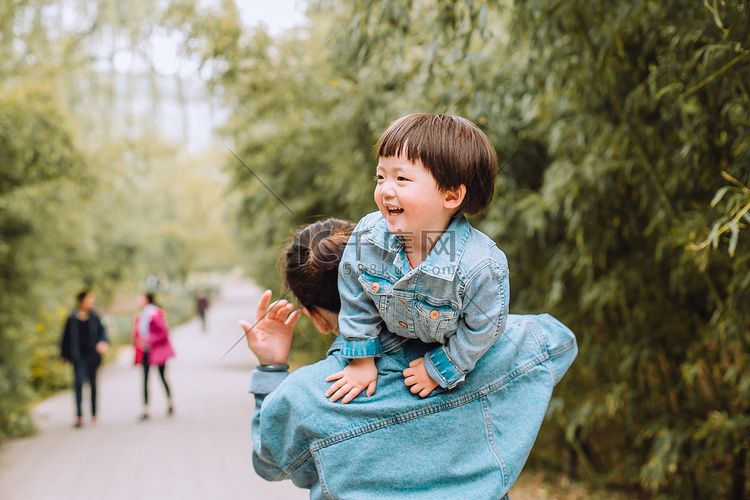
{"points": [[152, 347]]}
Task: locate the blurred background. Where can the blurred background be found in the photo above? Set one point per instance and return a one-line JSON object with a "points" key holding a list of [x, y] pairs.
{"points": [[623, 129]]}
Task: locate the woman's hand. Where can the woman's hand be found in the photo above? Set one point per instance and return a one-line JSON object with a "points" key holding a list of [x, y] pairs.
{"points": [[359, 374], [418, 380], [270, 338], [102, 347]]}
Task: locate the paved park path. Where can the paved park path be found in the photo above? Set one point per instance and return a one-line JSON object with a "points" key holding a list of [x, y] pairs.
{"points": [[202, 452]]}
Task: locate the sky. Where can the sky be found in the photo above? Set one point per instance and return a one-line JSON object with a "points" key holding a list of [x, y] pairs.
{"points": [[199, 116], [277, 15]]}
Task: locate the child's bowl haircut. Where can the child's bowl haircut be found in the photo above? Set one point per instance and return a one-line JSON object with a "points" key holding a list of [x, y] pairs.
{"points": [[452, 149]]}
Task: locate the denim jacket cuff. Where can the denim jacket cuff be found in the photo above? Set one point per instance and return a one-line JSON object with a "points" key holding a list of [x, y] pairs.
{"points": [[442, 369], [360, 348], [263, 383]]}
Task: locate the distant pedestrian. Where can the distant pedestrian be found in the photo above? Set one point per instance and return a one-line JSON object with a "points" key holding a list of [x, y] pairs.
{"points": [[202, 307], [84, 340], [152, 346]]}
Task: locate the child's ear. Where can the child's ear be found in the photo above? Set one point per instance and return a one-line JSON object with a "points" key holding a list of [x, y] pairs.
{"points": [[454, 197]]}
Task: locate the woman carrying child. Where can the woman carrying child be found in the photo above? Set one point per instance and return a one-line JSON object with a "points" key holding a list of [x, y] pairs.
{"points": [[468, 442]]}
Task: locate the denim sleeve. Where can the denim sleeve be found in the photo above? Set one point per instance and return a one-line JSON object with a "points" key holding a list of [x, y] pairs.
{"points": [[482, 321], [265, 464], [359, 318]]}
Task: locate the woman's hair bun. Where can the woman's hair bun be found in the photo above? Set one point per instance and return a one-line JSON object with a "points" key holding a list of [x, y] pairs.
{"points": [[325, 251], [309, 263]]}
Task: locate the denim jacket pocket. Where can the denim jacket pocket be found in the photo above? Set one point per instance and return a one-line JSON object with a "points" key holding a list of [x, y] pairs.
{"points": [[379, 290], [434, 321]]}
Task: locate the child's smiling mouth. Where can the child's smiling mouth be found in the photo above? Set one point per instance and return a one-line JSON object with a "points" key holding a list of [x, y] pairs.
{"points": [[394, 211]]}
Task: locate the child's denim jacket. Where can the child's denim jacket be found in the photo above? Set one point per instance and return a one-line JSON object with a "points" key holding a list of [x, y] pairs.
{"points": [[458, 296], [470, 442]]}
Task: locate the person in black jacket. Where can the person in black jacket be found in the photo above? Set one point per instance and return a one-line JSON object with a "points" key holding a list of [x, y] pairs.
{"points": [[84, 340]]}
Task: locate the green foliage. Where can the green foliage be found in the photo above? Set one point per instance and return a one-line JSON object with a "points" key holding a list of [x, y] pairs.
{"points": [[647, 127], [42, 172], [623, 211]]}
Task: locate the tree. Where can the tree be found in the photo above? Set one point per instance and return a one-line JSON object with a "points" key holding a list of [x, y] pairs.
{"points": [[42, 174], [644, 111]]}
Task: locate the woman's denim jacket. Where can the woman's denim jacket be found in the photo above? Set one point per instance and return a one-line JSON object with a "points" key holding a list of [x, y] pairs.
{"points": [[470, 442], [457, 297]]}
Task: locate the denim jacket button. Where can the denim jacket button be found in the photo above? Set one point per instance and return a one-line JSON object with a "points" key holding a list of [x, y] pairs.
{"points": [[434, 314], [402, 324], [375, 287]]}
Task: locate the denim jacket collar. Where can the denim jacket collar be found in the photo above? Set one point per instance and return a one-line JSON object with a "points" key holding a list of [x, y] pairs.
{"points": [[381, 237], [444, 257]]}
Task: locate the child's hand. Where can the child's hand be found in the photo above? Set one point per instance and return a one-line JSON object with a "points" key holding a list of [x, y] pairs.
{"points": [[417, 378], [358, 375]]}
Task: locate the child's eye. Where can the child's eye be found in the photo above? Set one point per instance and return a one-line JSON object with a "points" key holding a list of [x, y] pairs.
{"points": [[399, 178], [377, 178]]}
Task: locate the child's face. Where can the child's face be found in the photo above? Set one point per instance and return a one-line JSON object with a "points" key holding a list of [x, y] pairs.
{"points": [[409, 198]]}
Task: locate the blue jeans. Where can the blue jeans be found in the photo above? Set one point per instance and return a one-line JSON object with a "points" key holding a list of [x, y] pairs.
{"points": [[85, 369]]}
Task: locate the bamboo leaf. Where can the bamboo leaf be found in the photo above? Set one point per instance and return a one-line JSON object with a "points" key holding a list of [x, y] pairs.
{"points": [[719, 195]]}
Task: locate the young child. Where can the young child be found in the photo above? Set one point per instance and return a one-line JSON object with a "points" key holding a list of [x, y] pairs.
{"points": [[417, 268]]}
